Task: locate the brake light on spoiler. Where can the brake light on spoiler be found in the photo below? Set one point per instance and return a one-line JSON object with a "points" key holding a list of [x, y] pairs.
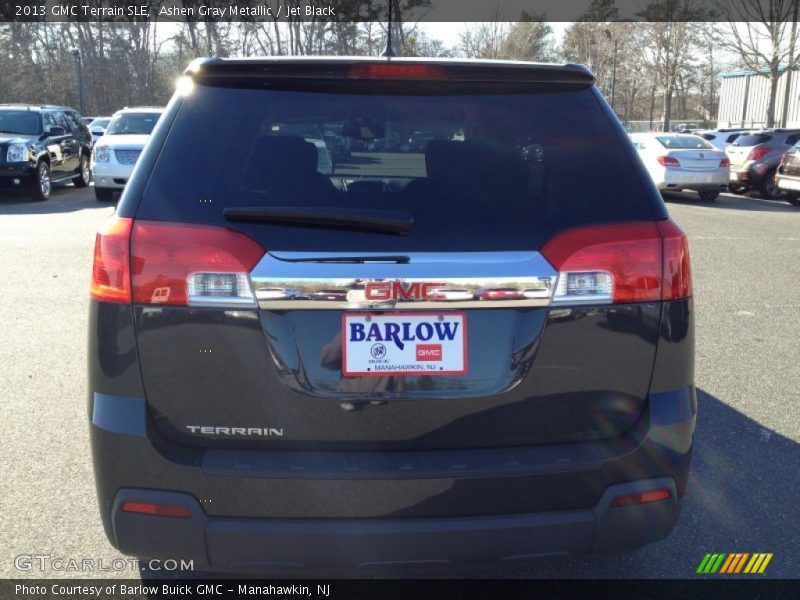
{"points": [[631, 262], [396, 71], [148, 262]]}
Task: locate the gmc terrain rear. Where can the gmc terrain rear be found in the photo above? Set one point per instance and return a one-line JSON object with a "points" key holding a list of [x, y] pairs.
{"points": [[460, 350]]}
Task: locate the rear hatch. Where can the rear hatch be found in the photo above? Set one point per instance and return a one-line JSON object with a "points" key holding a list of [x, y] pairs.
{"points": [[692, 152], [739, 151], [317, 312]]}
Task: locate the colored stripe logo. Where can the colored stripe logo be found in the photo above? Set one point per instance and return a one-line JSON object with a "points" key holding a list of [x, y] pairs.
{"points": [[737, 562]]}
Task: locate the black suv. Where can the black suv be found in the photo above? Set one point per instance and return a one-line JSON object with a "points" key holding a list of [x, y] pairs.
{"points": [[462, 353], [43, 145]]}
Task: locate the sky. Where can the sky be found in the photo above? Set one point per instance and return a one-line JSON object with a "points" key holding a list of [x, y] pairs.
{"points": [[448, 32]]}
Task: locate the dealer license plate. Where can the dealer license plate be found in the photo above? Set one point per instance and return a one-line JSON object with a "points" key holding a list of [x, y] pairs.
{"points": [[404, 344]]}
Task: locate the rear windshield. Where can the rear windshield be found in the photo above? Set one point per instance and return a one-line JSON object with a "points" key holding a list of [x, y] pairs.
{"points": [[475, 171], [751, 140], [133, 123], [22, 122], [683, 142]]}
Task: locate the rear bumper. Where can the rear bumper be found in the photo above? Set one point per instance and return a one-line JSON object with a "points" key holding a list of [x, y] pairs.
{"points": [[790, 183], [258, 544], [252, 510], [688, 180]]}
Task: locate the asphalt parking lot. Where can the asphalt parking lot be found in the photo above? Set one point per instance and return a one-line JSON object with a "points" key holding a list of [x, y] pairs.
{"points": [[744, 484]]}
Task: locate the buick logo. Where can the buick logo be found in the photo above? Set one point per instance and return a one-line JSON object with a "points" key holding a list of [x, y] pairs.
{"points": [[378, 351]]}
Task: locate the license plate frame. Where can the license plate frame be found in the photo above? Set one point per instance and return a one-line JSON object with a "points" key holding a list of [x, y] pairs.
{"points": [[419, 356]]}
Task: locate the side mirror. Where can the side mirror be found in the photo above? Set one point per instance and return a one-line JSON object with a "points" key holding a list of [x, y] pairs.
{"points": [[56, 131]]}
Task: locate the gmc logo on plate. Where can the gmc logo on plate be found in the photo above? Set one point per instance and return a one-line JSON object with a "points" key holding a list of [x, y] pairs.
{"points": [[394, 290]]}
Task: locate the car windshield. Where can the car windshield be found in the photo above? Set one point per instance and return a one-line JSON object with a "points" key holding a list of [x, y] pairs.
{"points": [[23, 122], [683, 142], [133, 123], [99, 123]]}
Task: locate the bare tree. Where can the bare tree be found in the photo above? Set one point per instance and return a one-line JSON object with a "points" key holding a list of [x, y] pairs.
{"points": [[763, 34], [673, 33]]}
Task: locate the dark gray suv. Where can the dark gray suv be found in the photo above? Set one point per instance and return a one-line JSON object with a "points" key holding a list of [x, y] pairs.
{"points": [[755, 157], [477, 350]]}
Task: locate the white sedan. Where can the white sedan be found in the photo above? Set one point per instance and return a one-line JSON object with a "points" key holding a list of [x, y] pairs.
{"points": [[678, 161]]}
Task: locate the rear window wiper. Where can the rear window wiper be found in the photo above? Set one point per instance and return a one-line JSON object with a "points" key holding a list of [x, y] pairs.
{"points": [[355, 219]]}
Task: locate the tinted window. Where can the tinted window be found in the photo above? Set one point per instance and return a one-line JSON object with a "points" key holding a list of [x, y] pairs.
{"points": [[732, 137], [76, 124], [476, 171], [23, 122], [49, 120], [751, 140], [133, 123], [681, 142], [62, 121], [792, 139]]}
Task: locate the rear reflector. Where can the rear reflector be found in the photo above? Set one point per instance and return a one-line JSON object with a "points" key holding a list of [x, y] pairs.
{"points": [[111, 280], [194, 265], [396, 71], [668, 161], [158, 510], [640, 498], [725, 162]]}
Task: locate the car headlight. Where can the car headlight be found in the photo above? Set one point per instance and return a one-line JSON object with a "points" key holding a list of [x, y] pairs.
{"points": [[101, 153], [16, 153]]}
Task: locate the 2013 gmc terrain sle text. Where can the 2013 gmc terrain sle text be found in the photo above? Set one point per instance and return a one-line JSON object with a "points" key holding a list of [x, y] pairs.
{"points": [[475, 350]]}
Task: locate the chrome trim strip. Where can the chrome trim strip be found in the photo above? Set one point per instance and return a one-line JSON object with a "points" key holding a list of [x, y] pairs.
{"points": [[318, 281]]}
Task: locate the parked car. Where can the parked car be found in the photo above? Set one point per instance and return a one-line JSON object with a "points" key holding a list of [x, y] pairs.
{"points": [[115, 155], [41, 146], [98, 126], [755, 157], [720, 138], [678, 161], [390, 431], [507, 293], [451, 294], [787, 177]]}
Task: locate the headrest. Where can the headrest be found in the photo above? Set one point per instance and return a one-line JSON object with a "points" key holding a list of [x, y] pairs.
{"points": [[284, 156], [470, 163]]}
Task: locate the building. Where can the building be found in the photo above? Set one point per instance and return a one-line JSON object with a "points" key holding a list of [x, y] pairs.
{"points": [[744, 95]]}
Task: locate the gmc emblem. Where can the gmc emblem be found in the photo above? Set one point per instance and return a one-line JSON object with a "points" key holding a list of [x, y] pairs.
{"points": [[395, 290]]}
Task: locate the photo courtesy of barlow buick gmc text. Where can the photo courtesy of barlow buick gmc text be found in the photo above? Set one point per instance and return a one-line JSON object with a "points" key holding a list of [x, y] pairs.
{"points": [[409, 298]]}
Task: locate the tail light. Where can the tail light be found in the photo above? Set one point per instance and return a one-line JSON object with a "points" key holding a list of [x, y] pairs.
{"points": [[784, 156], [111, 277], [725, 162], [757, 153], [396, 71], [195, 265], [668, 161], [632, 262]]}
